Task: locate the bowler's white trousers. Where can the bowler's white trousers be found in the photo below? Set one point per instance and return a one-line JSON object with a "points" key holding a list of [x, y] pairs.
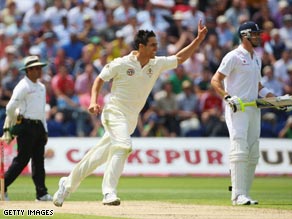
{"points": [[244, 132], [113, 148]]}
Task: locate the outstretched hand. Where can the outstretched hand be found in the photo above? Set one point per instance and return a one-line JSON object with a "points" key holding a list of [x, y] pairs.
{"points": [[202, 30]]}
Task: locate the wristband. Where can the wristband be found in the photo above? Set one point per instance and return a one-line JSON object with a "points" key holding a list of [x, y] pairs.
{"points": [[264, 91]]}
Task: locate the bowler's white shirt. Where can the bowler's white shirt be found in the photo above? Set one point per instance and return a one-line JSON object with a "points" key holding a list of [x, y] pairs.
{"points": [[132, 84], [30, 99], [242, 72]]}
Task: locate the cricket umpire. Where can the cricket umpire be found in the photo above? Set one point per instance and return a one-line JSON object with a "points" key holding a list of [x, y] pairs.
{"points": [[27, 109]]}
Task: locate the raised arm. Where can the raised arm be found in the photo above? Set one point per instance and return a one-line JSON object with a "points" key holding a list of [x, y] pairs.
{"points": [[187, 51]]}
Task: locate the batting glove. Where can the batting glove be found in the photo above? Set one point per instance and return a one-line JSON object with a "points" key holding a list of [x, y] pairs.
{"points": [[285, 108], [284, 97], [234, 103]]}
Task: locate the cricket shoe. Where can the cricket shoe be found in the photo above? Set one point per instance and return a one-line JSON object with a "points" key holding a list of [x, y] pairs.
{"points": [[111, 199], [241, 200], [252, 202], [61, 194], [6, 198], [44, 198]]}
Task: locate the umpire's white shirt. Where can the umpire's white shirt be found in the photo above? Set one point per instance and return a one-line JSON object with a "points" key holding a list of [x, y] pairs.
{"points": [[243, 73], [132, 84], [30, 99]]}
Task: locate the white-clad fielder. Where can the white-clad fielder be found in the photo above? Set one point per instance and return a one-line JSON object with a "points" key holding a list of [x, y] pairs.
{"points": [[133, 76], [238, 79]]}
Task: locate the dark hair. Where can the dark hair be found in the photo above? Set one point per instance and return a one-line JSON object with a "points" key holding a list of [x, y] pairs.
{"points": [[142, 37]]}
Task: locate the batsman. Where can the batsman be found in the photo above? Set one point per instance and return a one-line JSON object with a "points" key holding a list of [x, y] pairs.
{"points": [[237, 80]]}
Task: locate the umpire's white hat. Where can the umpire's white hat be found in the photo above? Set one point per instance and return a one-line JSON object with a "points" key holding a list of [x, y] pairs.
{"points": [[32, 61]]}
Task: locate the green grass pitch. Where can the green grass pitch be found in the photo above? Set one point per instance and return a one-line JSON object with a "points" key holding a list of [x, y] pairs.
{"points": [[272, 192]]}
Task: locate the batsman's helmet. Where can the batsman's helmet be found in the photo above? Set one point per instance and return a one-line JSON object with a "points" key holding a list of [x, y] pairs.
{"points": [[247, 28]]}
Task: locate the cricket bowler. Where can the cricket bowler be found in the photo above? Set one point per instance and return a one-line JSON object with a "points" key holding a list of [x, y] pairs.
{"points": [[133, 77]]}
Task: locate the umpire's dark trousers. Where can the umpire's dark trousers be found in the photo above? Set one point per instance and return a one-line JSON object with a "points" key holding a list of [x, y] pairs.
{"points": [[31, 144]]}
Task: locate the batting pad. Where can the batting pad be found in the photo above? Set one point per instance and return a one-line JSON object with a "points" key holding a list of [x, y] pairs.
{"points": [[238, 178]]}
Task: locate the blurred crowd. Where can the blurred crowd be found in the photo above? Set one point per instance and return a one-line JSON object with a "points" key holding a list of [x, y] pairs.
{"points": [[78, 37]]}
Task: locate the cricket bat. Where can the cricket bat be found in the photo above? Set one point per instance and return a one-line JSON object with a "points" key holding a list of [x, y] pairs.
{"points": [[270, 102]]}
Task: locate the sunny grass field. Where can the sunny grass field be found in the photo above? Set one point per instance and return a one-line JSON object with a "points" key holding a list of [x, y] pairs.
{"points": [[272, 192]]}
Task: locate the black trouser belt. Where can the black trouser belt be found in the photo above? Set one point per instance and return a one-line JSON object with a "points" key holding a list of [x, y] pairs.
{"points": [[32, 121]]}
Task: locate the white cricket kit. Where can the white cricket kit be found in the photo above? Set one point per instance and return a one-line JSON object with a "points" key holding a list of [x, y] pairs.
{"points": [[131, 87], [28, 92], [243, 74]]}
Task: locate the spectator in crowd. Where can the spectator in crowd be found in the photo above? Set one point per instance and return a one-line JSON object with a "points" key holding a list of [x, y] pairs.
{"points": [[76, 16], [130, 30], [63, 86], [56, 12], [283, 9], [10, 58], [177, 78], [194, 65], [88, 31], [275, 46], [94, 48], [286, 131], [79, 65], [187, 110], [288, 82], [224, 33], [9, 81], [263, 15], [124, 12], [56, 124], [109, 33], [162, 9], [286, 30], [9, 13], [153, 124], [73, 49], [48, 47], [238, 8], [63, 32], [266, 34], [202, 83], [167, 106], [61, 60], [101, 62], [210, 109], [269, 127], [4, 42], [271, 82], [118, 47], [147, 20], [83, 86], [101, 22], [280, 66], [194, 16], [34, 19], [25, 45]]}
